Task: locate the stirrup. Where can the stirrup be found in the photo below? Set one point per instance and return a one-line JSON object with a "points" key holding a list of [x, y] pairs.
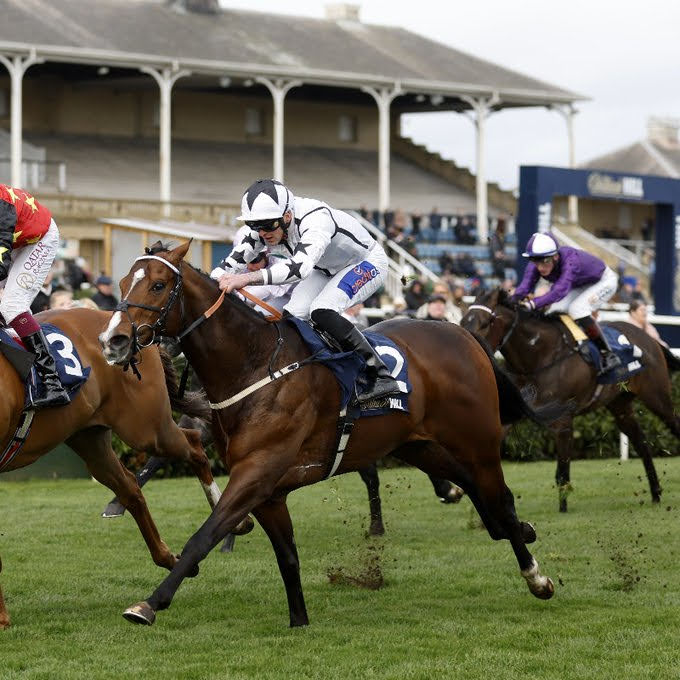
{"points": [[609, 362], [381, 388]]}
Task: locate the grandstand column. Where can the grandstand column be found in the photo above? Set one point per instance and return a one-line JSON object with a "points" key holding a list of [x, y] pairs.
{"points": [[383, 98], [482, 109], [17, 67], [279, 89], [165, 79], [568, 112]]}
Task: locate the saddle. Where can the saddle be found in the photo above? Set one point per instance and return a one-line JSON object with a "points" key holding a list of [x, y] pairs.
{"points": [[71, 371], [629, 353]]}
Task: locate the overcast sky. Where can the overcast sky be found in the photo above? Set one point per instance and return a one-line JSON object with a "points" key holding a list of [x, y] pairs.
{"points": [[623, 55]]}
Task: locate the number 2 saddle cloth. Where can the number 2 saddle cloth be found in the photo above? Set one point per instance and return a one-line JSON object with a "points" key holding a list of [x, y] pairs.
{"points": [[348, 368], [69, 366]]}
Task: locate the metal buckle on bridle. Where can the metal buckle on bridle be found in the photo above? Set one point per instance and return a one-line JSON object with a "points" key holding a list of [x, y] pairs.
{"points": [[137, 332]]}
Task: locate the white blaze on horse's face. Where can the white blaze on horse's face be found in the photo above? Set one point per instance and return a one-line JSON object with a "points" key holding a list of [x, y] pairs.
{"points": [[106, 336]]}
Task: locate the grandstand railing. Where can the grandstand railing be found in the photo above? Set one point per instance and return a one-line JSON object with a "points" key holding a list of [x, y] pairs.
{"points": [[37, 174], [404, 265]]}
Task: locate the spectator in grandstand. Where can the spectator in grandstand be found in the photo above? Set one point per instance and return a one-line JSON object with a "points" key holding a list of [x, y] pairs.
{"points": [[388, 220], [436, 308], [637, 315], [364, 212], [463, 231], [435, 219], [399, 308], [61, 299], [334, 260], [355, 315], [415, 295], [497, 249], [626, 292], [86, 302], [29, 240], [465, 266], [441, 291], [77, 273], [447, 264], [457, 295], [581, 284], [416, 218], [104, 297], [41, 302]]}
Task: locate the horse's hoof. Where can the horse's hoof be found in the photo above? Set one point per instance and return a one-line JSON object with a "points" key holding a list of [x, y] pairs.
{"points": [[228, 544], [113, 510], [376, 529], [454, 495], [545, 592], [528, 532], [245, 526], [140, 613]]}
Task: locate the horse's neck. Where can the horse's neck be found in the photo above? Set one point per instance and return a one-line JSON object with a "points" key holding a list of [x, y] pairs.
{"points": [[533, 342], [231, 349]]}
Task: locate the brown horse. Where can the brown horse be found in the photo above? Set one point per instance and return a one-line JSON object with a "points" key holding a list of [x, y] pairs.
{"points": [[283, 436], [540, 352], [140, 413]]}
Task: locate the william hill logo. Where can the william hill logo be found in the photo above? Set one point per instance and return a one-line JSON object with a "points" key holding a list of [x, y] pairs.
{"points": [[606, 185]]}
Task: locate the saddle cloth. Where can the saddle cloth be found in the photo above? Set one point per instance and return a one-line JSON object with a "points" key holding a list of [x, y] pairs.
{"points": [[349, 368], [69, 366], [629, 354]]}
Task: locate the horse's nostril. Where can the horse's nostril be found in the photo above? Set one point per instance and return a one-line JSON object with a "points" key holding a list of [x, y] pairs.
{"points": [[119, 341]]}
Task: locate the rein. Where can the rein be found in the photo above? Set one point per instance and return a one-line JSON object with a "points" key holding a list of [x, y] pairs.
{"points": [[560, 358]]}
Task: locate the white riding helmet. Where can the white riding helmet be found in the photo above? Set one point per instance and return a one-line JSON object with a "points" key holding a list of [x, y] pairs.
{"points": [[541, 245], [265, 199]]}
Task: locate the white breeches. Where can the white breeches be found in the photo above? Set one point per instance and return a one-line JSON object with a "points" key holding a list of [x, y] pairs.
{"points": [[30, 267], [583, 301], [348, 287]]}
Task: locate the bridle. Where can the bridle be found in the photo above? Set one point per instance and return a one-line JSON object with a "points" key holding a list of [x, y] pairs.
{"points": [[492, 318], [157, 330]]}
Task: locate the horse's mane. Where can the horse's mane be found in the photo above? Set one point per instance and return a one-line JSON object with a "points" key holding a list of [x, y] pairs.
{"points": [[160, 247]]}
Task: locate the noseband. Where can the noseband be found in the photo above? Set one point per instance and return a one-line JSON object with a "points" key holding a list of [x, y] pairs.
{"points": [[493, 318]]}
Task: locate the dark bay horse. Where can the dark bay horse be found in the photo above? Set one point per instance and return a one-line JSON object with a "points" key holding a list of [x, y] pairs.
{"points": [[140, 413], [540, 352], [283, 436]]}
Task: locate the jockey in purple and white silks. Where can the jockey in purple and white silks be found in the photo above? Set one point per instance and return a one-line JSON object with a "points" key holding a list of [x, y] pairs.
{"points": [[332, 257], [581, 283]]}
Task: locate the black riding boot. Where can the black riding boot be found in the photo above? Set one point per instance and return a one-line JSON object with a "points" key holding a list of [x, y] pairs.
{"points": [[53, 392], [592, 329], [351, 339]]}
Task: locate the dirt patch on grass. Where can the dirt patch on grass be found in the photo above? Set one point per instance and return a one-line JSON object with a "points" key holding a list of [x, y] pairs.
{"points": [[365, 573]]}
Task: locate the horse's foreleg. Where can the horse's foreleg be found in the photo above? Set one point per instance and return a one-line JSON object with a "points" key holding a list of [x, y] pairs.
{"points": [[369, 476], [563, 432], [4, 616], [94, 447], [275, 520], [622, 409], [247, 488]]}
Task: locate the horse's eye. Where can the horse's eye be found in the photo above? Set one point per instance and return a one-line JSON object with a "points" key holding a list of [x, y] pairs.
{"points": [[157, 287]]}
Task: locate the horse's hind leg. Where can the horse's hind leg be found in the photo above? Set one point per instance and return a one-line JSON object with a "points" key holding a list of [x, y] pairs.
{"points": [[563, 431], [482, 478], [94, 447], [4, 616], [115, 507], [274, 518], [369, 475], [622, 409]]}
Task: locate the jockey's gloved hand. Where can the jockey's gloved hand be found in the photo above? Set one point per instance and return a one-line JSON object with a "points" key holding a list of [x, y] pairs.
{"points": [[528, 304]]}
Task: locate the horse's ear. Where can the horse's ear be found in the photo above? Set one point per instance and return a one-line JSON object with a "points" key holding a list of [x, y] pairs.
{"points": [[180, 252], [153, 248]]}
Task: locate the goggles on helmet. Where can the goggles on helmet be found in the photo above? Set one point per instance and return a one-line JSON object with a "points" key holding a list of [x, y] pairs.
{"points": [[265, 225], [544, 259]]}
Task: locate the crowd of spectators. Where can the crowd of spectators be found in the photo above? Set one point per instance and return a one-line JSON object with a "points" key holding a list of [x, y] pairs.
{"points": [[70, 283]]}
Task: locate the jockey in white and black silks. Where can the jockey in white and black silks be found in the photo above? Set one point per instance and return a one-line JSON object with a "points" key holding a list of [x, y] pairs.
{"points": [[29, 240], [581, 284], [334, 259]]}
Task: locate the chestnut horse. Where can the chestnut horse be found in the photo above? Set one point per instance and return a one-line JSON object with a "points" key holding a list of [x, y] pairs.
{"points": [[139, 412], [540, 352], [283, 436]]}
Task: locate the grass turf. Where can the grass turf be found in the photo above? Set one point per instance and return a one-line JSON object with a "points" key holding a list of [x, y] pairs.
{"points": [[452, 604]]}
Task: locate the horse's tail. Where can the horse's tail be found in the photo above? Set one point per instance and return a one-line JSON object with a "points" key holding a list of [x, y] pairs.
{"points": [[512, 403], [672, 361], [193, 404]]}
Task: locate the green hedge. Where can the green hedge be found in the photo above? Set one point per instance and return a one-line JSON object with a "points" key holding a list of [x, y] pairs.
{"points": [[595, 435]]}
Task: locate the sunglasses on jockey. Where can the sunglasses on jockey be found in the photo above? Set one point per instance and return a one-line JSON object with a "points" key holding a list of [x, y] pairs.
{"points": [[265, 225], [543, 259]]}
